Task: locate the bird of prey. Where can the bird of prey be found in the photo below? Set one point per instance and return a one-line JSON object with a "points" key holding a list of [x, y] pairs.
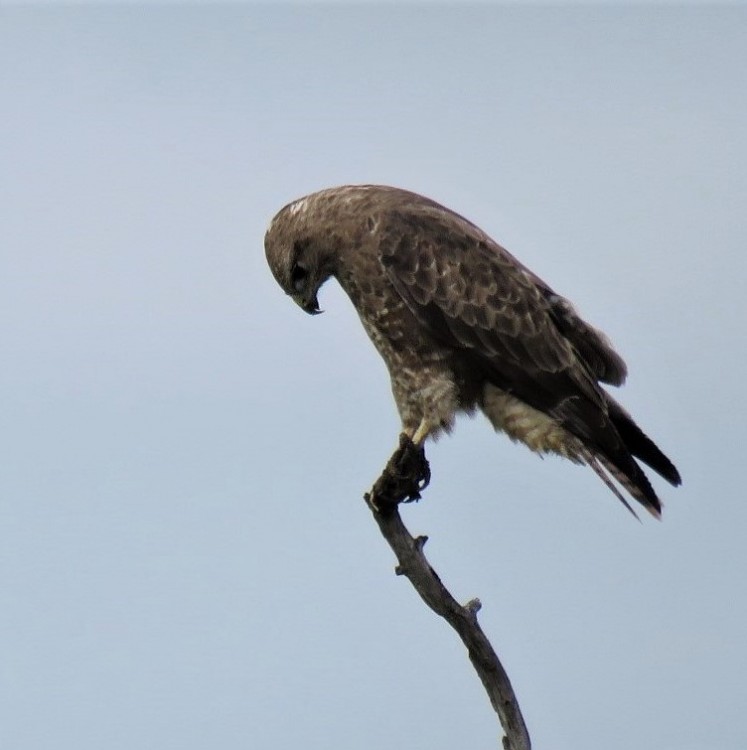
{"points": [[462, 325]]}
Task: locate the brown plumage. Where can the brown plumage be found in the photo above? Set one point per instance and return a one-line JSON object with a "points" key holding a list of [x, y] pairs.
{"points": [[463, 325]]}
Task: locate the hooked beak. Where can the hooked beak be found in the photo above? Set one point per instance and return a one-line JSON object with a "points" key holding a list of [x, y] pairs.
{"points": [[309, 305]]}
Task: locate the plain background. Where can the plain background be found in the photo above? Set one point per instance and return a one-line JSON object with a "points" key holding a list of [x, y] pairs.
{"points": [[185, 558]]}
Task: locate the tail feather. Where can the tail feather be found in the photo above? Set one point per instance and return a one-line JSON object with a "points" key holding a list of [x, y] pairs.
{"points": [[611, 443], [626, 472], [637, 485], [640, 445], [591, 460], [616, 448]]}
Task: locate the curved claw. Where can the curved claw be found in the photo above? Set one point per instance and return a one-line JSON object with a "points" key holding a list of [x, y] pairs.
{"points": [[406, 475]]}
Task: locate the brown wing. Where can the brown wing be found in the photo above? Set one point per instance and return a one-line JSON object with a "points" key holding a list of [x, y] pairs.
{"points": [[502, 287], [507, 325], [474, 296], [592, 345]]}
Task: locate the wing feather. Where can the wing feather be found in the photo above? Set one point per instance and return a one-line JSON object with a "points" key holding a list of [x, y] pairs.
{"points": [[474, 295]]}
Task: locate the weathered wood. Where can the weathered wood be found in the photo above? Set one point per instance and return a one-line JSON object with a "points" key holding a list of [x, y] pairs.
{"points": [[405, 475]]}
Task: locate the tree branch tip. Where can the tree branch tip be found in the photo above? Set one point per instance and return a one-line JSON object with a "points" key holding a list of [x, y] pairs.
{"points": [[420, 542], [399, 570], [473, 606]]}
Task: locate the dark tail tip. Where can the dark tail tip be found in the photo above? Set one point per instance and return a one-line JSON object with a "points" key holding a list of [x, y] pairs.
{"points": [[629, 476], [641, 446]]}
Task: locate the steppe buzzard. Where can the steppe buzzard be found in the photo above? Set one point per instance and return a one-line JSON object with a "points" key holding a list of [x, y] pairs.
{"points": [[462, 325]]}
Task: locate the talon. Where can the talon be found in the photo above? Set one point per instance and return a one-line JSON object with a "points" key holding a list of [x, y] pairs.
{"points": [[406, 475]]}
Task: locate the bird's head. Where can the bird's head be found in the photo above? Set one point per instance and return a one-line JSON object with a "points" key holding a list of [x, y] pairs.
{"points": [[299, 262]]}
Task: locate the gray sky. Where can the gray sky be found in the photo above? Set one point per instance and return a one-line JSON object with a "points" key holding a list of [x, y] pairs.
{"points": [[185, 560]]}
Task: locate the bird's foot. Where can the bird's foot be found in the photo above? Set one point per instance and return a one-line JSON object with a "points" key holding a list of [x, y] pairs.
{"points": [[406, 475]]}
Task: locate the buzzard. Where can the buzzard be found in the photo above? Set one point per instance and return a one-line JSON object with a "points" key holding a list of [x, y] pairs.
{"points": [[463, 325]]}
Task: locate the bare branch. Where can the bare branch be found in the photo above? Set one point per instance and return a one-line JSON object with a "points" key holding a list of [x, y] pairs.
{"points": [[404, 476]]}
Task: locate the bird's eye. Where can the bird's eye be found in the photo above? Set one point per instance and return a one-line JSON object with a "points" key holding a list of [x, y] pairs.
{"points": [[299, 275]]}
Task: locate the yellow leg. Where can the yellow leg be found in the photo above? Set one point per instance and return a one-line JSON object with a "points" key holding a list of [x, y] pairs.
{"points": [[421, 433]]}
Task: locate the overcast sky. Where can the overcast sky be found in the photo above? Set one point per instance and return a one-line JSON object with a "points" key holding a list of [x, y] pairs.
{"points": [[185, 558]]}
